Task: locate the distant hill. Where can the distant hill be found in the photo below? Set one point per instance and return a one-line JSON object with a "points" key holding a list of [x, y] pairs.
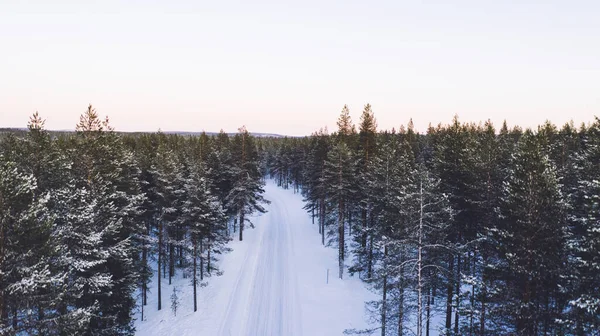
{"points": [[261, 135]]}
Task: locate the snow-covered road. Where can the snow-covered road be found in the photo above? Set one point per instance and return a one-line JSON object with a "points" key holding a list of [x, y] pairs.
{"points": [[264, 300], [274, 284]]}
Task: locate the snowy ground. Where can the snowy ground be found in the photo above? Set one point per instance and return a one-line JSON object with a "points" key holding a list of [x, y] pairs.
{"points": [[274, 284]]}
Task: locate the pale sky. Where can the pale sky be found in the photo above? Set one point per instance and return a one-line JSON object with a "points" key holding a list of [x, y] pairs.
{"points": [[289, 67]]}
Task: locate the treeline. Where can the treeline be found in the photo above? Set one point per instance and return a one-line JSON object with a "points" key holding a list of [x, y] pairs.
{"points": [[88, 218], [464, 230]]}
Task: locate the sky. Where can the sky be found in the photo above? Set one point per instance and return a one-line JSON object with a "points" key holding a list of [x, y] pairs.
{"points": [[289, 67]]}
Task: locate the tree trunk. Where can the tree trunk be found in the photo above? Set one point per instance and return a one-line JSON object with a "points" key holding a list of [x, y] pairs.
{"points": [[164, 263], [322, 223], [363, 216], [483, 296], [226, 226], [194, 273], [370, 252], [201, 261], [341, 239], [181, 259], [449, 294], [401, 298], [420, 269], [208, 258], [142, 310], [171, 261], [456, 314], [241, 223], [472, 319], [145, 264], [384, 299], [160, 236], [350, 222], [319, 215], [428, 312]]}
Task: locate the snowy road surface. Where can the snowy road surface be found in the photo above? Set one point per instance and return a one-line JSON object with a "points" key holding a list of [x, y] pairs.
{"points": [[274, 284], [264, 300]]}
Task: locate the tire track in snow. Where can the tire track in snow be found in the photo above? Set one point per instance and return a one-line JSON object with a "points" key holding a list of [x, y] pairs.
{"points": [[237, 296]]}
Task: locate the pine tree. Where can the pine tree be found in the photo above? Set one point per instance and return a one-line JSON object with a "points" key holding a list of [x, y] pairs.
{"points": [[453, 162], [386, 180], [530, 241], [106, 169], [164, 174], [345, 126], [246, 195], [206, 220], [584, 238], [145, 156], [315, 189], [338, 172], [25, 226], [367, 150]]}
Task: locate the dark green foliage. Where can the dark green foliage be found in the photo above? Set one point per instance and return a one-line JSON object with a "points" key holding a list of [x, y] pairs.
{"points": [[518, 255], [83, 214]]}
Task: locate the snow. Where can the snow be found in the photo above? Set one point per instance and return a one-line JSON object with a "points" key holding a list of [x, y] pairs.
{"points": [[274, 283]]}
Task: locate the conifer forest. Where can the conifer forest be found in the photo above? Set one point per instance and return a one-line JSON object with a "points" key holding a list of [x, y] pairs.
{"points": [[464, 229]]}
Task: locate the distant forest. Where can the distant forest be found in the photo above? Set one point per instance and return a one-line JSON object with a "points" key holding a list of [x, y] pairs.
{"points": [[466, 229]]}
